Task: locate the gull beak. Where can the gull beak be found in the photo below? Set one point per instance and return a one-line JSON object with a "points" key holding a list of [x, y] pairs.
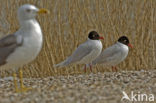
{"points": [[130, 45], [43, 11], [101, 37]]}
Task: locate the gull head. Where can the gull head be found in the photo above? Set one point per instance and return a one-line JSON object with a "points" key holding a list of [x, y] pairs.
{"points": [[27, 11], [124, 40], [93, 35]]}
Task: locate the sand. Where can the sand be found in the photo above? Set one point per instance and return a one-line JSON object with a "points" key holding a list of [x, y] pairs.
{"points": [[88, 88]]}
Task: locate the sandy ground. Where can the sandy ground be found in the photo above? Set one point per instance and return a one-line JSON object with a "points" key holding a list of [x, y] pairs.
{"points": [[88, 88]]}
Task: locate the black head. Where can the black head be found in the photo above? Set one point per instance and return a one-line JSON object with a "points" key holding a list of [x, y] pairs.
{"points": [[124, 40], [93, 35]]}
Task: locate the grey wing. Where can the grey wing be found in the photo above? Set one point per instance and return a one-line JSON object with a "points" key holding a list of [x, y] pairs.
{"points": [[82, 51], [108, 55], [8, 44]]}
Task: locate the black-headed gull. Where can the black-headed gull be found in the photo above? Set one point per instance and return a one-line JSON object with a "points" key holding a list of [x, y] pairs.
{"points": [[114, 54], [86, 52]]}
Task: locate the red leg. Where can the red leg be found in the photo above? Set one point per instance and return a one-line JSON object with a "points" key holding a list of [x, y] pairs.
{"points": [[85, 68], [90, 67], [114, 69]]}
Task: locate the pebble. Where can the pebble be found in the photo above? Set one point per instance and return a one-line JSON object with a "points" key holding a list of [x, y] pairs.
{"points": [[88, 88]]}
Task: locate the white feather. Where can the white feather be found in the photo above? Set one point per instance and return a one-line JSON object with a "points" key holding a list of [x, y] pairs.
{"points": [[113, 55], [84, 54]]}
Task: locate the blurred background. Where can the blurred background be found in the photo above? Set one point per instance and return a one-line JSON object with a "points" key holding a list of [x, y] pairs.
{"points": [[69, 23]]}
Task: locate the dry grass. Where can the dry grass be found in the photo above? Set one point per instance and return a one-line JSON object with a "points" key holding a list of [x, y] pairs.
{"points": [[70, 21]]}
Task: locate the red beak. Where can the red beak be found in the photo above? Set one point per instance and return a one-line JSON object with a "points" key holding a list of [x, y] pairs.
{"points": [[101, 37], [130, 45]]}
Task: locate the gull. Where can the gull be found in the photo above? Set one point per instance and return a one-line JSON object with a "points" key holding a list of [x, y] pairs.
{"points": [[24, 45], [86, 52], [114, 54]]}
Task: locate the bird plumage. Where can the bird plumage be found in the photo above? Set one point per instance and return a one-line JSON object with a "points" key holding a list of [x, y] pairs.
{"points": [[113, 55], [84, 54], [25, 44]]}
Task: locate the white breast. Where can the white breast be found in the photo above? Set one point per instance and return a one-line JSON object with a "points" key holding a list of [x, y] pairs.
{"points": [[120, 56], [96, 46], [31, 47], [124, 52]]}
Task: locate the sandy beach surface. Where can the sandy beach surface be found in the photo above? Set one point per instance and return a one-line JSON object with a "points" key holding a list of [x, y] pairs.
{"points": [[105, 87]]}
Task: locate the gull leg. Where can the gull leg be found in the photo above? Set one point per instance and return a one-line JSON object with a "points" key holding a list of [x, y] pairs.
{"points": [[90, 67], [85, 68], [15, 82], [23, 88], [114, 69]]}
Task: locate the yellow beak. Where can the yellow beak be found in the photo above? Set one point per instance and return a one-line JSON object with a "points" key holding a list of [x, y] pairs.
{"points": [[43, 11]]}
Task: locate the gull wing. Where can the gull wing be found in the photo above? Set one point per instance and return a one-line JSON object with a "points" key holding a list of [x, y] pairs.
{"points": [[8, 44], [80, 53], [108, 55]]}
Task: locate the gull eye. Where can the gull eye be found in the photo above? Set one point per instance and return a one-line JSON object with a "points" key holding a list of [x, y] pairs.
{"points": [[125, 41], [28, 10]]}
